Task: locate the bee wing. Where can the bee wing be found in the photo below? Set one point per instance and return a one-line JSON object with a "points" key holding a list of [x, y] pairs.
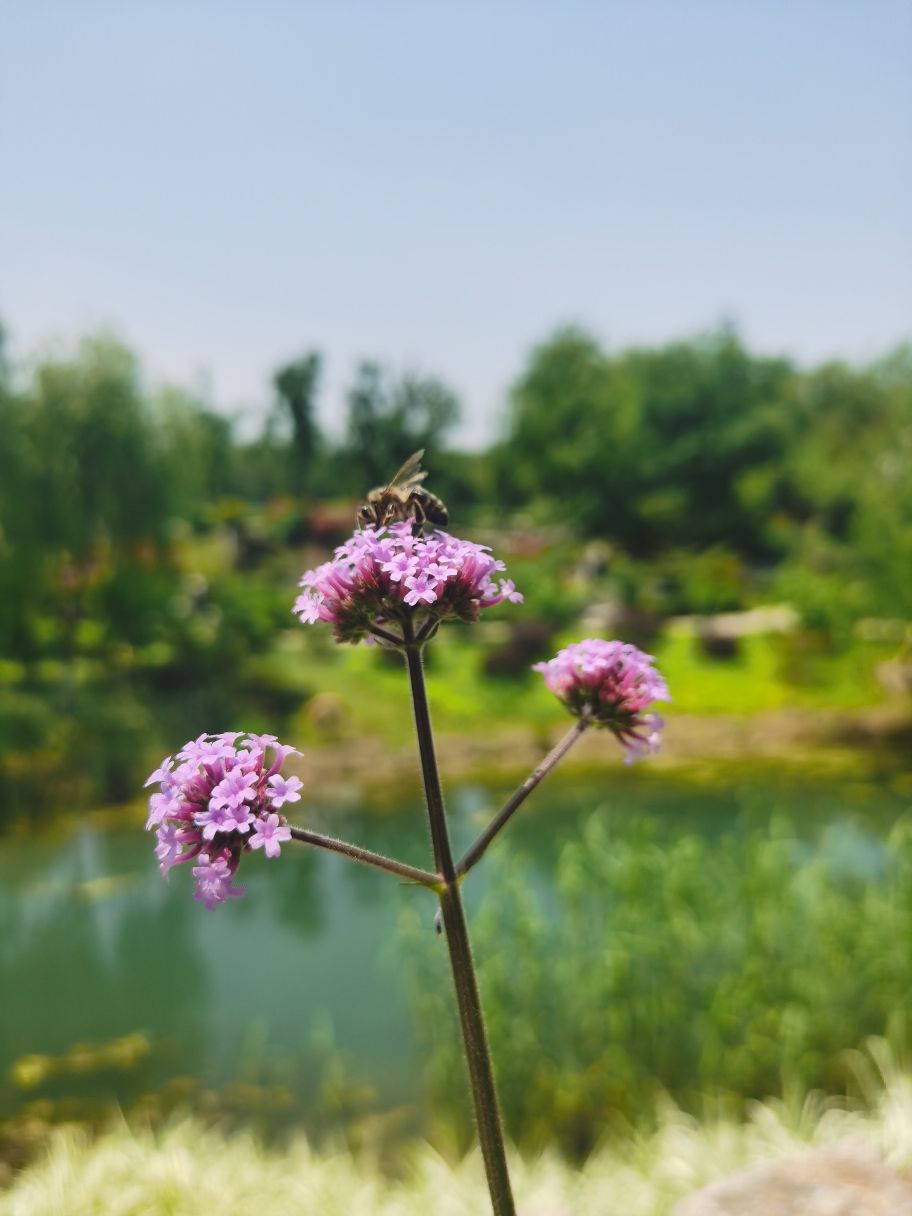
{"points": [[409, 474]]}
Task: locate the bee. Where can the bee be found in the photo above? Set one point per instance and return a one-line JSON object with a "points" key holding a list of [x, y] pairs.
{"points": [[403, 497]]}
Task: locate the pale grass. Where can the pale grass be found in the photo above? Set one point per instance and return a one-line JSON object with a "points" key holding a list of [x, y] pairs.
{"points": [[186, 1170]]}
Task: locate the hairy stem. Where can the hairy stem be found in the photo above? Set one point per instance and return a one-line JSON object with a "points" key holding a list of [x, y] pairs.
{"points": [[440, 836], [377, 860], [385, 635], [503, 816], [471, 1019]]}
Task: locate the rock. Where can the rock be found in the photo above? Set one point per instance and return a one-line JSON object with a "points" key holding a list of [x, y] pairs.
{"points": [[895, 677], [843, 1181], [771, 618]]}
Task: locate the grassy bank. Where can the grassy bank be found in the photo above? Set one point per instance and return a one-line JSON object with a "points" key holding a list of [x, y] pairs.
{"points": [[765, 674], [191, 1170], [772, 700]]}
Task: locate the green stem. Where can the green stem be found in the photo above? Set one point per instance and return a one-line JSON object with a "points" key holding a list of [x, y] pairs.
{"points": [[377, 860], [474, 1037], [503, 816]]}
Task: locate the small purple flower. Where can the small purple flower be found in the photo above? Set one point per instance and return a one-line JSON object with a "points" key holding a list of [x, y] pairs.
{"points": [[307, 607], [610, 684], [270, 832], [206, 748], [236, 787], [161, 773], [282, 790], [214, 819], [282, 750], [421, 587], [214, 805], [213, 880], [167, 850], [400, 566], [388, 577], [160, 805]]}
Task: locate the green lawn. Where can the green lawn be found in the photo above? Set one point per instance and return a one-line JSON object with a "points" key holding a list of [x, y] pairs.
{"points": [[768, 673]]}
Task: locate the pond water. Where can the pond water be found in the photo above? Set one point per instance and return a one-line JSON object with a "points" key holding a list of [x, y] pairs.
{"points": [[296, 997]]}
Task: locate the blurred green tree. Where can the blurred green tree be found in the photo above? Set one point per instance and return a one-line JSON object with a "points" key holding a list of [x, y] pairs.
{"points": [[573, 437], [296, 386], [654, 448], [849, 486], [390, 418]]}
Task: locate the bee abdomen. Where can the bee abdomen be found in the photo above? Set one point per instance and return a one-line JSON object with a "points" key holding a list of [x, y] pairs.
{"points": [[434, 509]]}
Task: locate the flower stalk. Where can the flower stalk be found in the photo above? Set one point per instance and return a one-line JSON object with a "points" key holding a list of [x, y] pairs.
{"points": [[473, 855], [468, 999], [410, 873]]}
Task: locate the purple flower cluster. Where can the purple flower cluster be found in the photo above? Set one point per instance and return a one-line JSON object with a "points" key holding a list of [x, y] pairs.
{"points": [[216, 799], [383, 576], [611, 683]]}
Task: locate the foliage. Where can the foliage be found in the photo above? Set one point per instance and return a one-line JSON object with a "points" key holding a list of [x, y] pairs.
{"points": [[676, 963], [850, 494], [650, 447], [389, 418], [296, 386]]}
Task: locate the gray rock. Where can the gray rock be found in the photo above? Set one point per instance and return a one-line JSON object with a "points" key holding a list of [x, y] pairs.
{"points": [[846, 1180]]}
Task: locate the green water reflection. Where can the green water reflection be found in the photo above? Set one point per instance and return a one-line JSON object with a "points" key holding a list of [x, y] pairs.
{"points": [[94, 946]]}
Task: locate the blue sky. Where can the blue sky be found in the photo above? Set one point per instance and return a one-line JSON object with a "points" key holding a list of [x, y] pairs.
{"points": [[440, 184]]}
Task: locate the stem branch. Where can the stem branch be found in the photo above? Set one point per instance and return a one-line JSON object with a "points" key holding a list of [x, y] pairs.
{"points": [[379, 632], [503, 816], [377, 860]]}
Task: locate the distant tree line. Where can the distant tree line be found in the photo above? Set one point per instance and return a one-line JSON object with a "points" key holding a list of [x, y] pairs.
{"points": [[700, 476], [701, 443], [690, 447]]}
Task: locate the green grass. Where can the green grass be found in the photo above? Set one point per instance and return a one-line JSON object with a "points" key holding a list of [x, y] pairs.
{"points": [[190, 1170], [373, 692], [768, 673]]}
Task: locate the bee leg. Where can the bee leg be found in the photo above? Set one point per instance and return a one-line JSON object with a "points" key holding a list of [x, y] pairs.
{"points": [[416, 506]]}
